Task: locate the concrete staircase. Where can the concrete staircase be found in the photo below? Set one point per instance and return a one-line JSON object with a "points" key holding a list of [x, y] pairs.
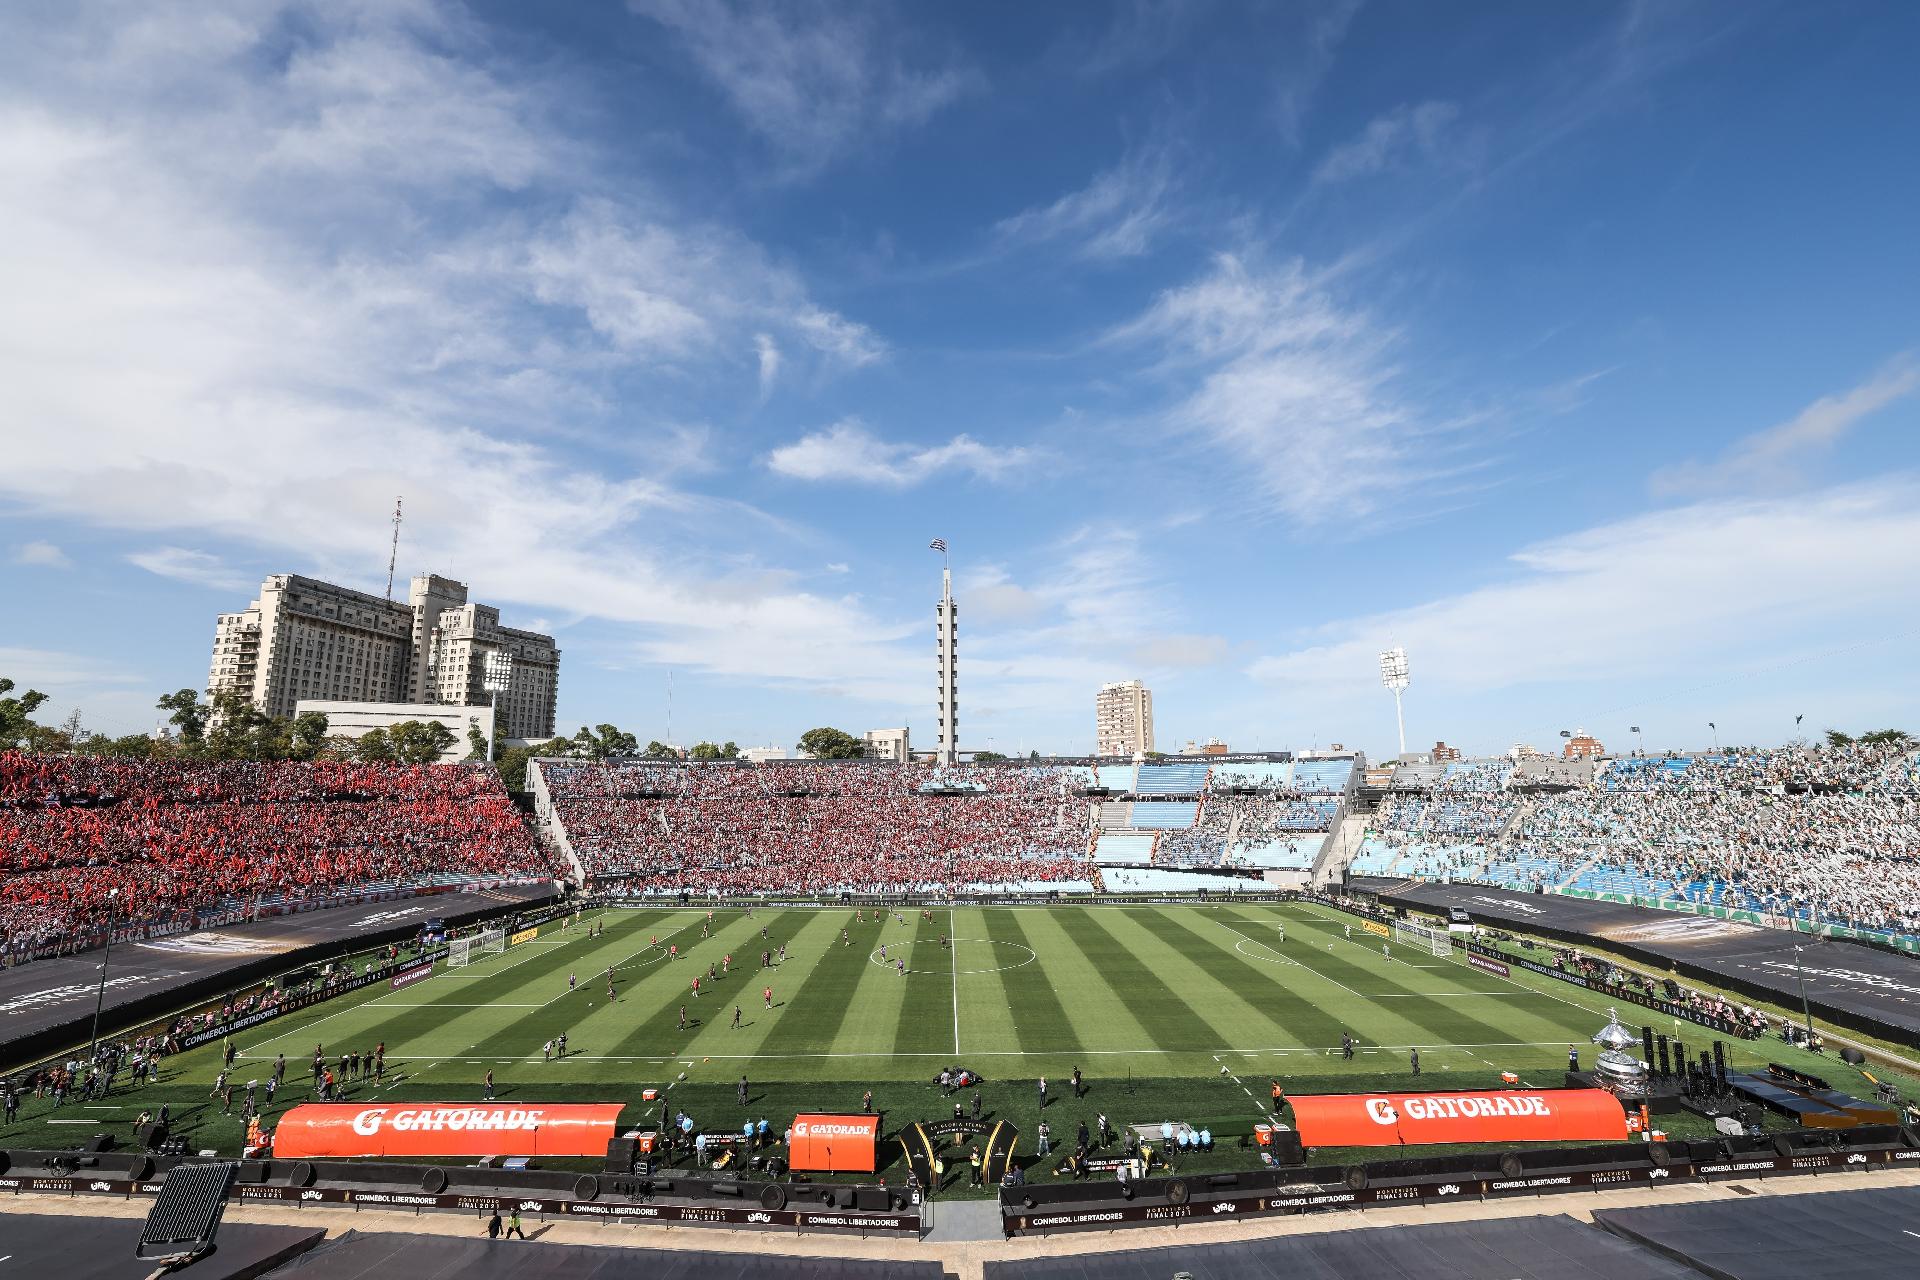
{"points": [[1341, 848]]}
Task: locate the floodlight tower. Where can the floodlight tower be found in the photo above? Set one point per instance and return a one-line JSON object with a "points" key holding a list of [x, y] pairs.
{"points": [[1393, 674], [496, 680]]}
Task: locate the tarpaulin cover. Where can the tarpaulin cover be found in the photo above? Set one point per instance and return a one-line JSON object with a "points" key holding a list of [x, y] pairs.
{"points": [[1504, 1115], [1862, 1235], [386, 1256], [101, 1248], [335, 1129], [834, 1143], [1545, 1248]]}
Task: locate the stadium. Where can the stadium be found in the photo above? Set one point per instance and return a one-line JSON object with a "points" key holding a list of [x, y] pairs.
{"points": [[1068, 993]]}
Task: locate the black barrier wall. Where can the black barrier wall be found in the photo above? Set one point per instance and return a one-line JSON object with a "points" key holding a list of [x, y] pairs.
{"points": [[160, 1000], [1848, 985]]}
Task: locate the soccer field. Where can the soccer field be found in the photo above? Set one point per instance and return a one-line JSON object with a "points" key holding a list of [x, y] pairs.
{"points": [[1156, 991], [1170, 1012]]}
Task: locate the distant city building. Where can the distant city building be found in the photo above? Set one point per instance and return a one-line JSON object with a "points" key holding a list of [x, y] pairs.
{"points": [[306, 639], [760, 755], [888, 744], [1211, 747], [1525, 751], [1123, 719], [356, 719], [1444, 754], [1582, 746]]}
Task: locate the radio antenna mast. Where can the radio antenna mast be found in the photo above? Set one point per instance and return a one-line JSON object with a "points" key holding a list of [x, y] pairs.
{"points": [[393, 555]]}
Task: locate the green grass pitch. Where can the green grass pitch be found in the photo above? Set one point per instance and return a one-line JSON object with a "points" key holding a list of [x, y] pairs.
{"points": [[1175, 1012]]}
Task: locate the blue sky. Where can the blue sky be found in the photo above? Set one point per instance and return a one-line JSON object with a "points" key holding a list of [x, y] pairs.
{"points": [[1575, 348]]}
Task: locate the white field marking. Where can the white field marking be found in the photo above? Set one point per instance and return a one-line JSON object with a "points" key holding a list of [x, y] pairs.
{"points": [[1303, 964], [1276, 958], [1025, 1053], [873, 957], [308, 1026], [1449, 995], [953, 957], [1327, 913], [72, 1122], [437, 1004]]}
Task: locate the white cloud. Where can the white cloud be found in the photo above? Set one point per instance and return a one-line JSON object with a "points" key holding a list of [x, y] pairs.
{"points": [[815, 81], [1294, 390], [1302, 65], [261, 329], [1782, 455], [1728, 586], [1182, 651], [768, 352], [195, 568], [1116, 215], [41, 555], [1405, 133], [848, 452]]}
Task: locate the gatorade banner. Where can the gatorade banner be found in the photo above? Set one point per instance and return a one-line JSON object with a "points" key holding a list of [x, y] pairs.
{"points": [[1505, 1115], [341, 1129], [834, 1144], [525, 935]]}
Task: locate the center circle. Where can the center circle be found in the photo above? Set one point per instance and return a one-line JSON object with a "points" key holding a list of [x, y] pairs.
{"points": [[873, 957]]}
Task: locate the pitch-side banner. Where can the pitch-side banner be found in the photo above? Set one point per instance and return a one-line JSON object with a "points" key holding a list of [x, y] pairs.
{"points": [[835, 1144], [1412, 1119], [333, 1129]]}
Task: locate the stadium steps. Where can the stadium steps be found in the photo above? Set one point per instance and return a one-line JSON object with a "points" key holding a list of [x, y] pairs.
{"points": [[1340, 849], [1574, 875]]}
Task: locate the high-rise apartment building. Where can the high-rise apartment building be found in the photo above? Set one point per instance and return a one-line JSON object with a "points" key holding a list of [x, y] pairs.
{"points": [[303, 638], [1123, 719]]}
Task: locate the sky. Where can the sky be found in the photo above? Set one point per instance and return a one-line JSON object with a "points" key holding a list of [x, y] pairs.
{"points": [[1574, 348]]}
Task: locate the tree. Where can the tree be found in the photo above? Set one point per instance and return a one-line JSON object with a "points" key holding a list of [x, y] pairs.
{"points": [[16, 714], [832, 744], [476, 745], [419, 741], [188, 716], [602, 742], [238, 730], [658, 750], [988, 757], [133, 746], [708, 751], [1886, 738], [307, 736], [513, 761]]}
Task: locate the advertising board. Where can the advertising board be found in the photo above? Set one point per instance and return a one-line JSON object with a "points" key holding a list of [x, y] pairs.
{"points": [[320, 1130]]}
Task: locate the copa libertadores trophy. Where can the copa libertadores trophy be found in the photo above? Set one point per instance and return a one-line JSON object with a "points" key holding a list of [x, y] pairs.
{"points": [[1617, 1070]]}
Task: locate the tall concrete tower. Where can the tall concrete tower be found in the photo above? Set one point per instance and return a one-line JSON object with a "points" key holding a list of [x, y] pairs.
{"points": [[946, 632]]}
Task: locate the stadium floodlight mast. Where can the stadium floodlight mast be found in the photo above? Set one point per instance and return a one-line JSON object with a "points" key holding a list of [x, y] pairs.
{"points": [[106, 957], [496, 680], [1393, 674]]}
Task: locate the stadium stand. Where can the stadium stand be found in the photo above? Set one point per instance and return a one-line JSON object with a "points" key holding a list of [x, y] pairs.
{"points": [[1817, 835], [178, 838], [809, 827], [1167, 815], [1323, 777], [1114, 777], [1185, 779]]}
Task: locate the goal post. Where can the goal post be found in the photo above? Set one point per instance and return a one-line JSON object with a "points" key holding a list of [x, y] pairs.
{"points": [[1419, 935], [464, 951]]}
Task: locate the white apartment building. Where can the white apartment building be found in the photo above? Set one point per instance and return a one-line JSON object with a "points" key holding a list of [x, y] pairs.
{"points": [[1123, 719], [355, 719], [307, 639], [888, 744]]}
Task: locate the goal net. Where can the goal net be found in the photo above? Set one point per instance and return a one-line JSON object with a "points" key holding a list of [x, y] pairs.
{"points": [[1418, 935], [464, 951]]}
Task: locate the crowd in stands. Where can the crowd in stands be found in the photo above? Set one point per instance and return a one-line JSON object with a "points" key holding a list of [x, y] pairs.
{"points": [[175, 838], [1829, 834], [1254, 821], [807, 827]]}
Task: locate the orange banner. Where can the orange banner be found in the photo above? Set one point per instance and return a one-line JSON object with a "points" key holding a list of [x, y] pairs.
{"points": [[834, 1144], [339, 1129], [1410, 1119]]}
